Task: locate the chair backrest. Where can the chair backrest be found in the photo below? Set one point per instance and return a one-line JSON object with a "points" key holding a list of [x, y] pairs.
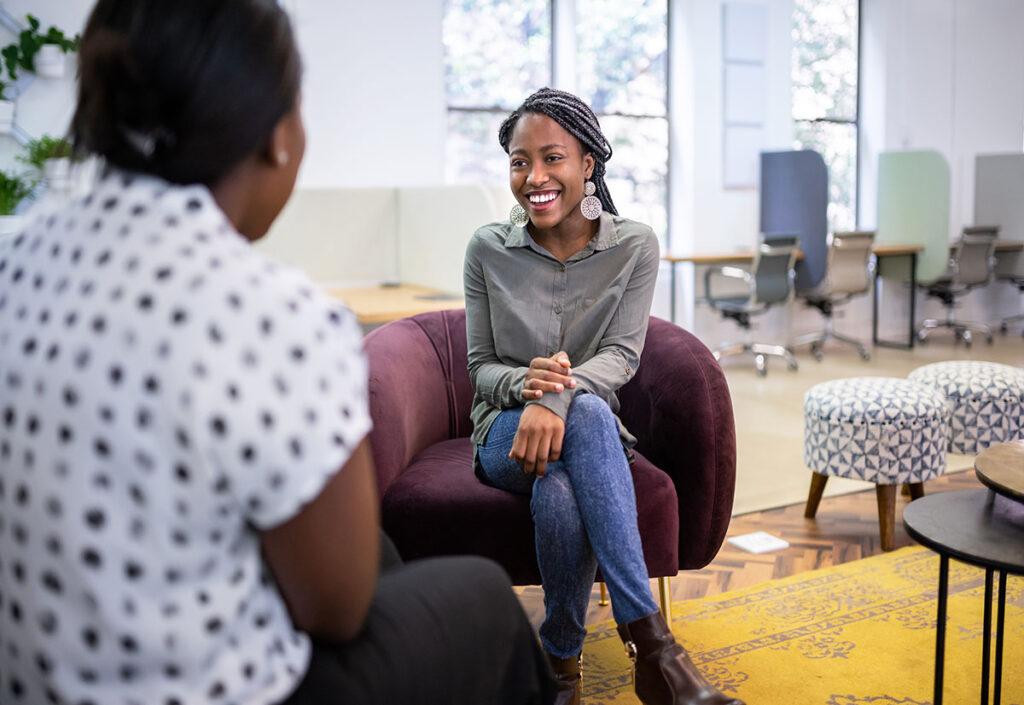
{"points": [[974, 255], [773, 268], [849, 263]]}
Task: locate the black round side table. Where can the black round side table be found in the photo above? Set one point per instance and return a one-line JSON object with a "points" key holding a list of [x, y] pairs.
{"points": [[981, 528]]}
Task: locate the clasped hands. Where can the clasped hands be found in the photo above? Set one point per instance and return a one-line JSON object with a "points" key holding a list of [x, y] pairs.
{"points": [[538, 440]]}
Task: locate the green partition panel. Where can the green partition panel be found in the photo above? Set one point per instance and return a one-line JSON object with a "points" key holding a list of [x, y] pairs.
{"points": [[913, 209]]}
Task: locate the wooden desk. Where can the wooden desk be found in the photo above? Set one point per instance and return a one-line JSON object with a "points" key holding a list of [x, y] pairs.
{"points": [[374, 305], [747, 257], [880, 252]]}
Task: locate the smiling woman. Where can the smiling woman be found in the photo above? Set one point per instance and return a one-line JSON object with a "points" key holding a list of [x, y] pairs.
{"points": [[557, 304]]}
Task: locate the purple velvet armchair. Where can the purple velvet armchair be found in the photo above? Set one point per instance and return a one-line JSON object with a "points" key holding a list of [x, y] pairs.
{"points": [[677, 405]]}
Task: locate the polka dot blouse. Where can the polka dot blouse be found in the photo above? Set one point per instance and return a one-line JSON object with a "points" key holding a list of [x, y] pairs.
{"points": [[165, 392]]}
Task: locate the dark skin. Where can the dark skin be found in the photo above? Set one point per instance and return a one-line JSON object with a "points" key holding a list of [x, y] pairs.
{"points": [[547, 171], [327, 584]]}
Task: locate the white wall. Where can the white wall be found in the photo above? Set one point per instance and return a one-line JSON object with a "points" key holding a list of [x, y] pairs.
{"points": [[373, 93], [373, 88], [945, 75]]}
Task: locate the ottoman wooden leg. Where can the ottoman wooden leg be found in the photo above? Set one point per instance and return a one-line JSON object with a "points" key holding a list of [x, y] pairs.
{"points": [[814, 496], [916, 490], [886, 515]]}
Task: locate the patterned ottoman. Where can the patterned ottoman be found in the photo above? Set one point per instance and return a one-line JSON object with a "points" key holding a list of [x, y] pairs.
{"points": [[880, 429], [987, 400]]}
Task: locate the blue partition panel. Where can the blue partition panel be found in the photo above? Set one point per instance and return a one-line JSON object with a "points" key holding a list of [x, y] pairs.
{"points": [[913, 208], [794, 199], [999, 200]]}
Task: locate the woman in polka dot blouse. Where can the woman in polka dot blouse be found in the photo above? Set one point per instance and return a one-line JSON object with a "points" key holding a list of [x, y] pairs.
{"points": [[187, 502]]}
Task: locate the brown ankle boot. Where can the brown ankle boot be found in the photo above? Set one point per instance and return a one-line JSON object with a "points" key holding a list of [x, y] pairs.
{"points": [[662, 672], [568, 677]]}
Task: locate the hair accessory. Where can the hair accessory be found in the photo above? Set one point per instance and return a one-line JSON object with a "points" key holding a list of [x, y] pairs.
{"points": [[591, 205], [518, 216], [145, 143]]}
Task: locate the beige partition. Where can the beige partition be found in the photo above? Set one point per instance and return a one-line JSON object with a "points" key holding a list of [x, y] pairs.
{"points": [[434, 225], [999, 200], [338, 235]]}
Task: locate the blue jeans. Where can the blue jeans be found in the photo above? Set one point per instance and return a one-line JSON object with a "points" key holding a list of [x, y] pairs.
{"points": [[584, 515]]}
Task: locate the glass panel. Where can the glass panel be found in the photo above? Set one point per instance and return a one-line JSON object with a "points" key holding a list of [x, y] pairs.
{"points": [[621, 55], [472, 152], [496, 52], [638, 168], [837, 143], [825, 59]]}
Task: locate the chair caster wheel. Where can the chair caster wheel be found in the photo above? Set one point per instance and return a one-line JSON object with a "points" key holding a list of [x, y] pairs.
{"points": [[792, 366], [818, 354], [988, 338], [865, 356], [1003, 328], [761, 364]]}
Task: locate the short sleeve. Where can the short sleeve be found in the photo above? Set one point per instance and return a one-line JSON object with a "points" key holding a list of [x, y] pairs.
{"points": [[299, 375]]}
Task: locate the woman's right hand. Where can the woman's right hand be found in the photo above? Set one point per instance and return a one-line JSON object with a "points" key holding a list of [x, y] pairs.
{"points": [[548, 374]]}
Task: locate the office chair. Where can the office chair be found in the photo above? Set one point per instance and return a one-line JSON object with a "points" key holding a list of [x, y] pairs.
{"points": [[970, 266], [848, 273], [1017, 281], [769, 283]]}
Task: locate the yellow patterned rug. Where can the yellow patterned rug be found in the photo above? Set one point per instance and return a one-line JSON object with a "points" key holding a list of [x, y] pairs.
{"points": [[862, 632]]}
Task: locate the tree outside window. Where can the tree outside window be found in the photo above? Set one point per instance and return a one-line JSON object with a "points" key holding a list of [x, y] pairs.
{"points": [[825, 88]]}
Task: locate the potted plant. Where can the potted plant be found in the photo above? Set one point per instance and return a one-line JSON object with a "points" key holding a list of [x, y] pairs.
{"points": [[14, 188], [6, 110], [50, 157], [44, 53]]}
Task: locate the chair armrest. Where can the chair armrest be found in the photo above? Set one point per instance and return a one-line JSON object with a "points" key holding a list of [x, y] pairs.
{"points": [[727, 272], [407, 391], [679, 407]]}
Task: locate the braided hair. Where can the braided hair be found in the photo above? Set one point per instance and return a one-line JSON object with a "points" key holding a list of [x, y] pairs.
{"points": [[577, 119]]}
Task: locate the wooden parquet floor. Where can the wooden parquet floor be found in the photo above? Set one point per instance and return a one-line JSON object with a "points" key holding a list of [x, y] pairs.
{"points": [[845, 529]]}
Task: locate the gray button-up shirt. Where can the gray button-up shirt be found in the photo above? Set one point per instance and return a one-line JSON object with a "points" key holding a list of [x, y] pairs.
{"points": [[522, 303]]}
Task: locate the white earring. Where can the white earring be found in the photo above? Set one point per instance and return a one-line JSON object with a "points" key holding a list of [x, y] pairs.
{"points": [[590, 206], [517, 216], [282, 158]]}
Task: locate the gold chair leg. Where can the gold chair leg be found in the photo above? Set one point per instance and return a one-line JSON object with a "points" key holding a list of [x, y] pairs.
{"points": [[665, 593], [604, 596]]}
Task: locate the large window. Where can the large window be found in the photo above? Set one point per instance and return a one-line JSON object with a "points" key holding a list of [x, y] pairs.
{"points": [[497, 52], [825, 56]]}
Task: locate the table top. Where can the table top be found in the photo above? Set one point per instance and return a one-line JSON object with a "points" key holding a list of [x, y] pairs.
{"points": [[973, 526], [1001, 467], [878, 250], [748, 255], [383, 304]]}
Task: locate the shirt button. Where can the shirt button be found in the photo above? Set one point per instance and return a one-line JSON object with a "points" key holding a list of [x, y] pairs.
{"points": [[558, 309], [561, 268]]}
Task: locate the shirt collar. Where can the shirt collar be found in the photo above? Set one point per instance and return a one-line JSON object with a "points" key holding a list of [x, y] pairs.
{"points": [[607, 236]]}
